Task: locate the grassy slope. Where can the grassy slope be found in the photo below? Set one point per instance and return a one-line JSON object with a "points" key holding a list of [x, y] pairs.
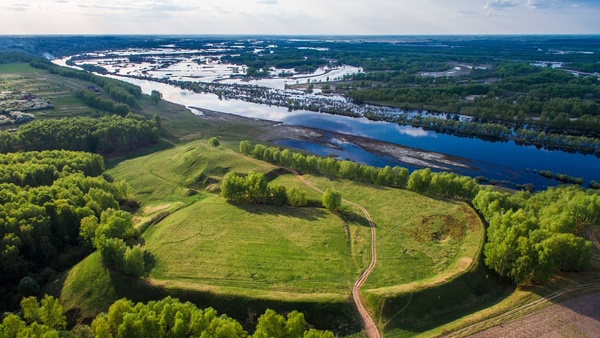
{"points": [[418, 237]]}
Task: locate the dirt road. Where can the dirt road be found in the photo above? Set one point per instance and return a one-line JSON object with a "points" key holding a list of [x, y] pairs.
{"points": [[370, 327]]}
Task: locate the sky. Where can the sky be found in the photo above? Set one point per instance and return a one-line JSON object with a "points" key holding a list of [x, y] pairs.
{"points": [[300, 17]]}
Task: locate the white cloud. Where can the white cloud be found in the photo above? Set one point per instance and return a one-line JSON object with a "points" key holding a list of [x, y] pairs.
{"points": [[381, 17]]}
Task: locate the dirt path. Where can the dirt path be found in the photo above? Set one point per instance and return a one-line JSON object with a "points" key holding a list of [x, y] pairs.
{"points": [[370, 327]]}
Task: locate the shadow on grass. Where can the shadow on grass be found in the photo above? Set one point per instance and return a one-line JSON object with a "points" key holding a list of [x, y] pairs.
{"points": [[338, 316], [308, 214], [111, 162], [413, 313], [351, 216]]}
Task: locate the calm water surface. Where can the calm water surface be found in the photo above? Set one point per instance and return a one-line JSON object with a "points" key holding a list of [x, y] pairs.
{"points": [[494, 160]]}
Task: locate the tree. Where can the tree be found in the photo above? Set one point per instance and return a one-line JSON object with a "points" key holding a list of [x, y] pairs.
{"points": [[121, 109], [245, 147], [270, 324], [28, 286], [297, 197], [155, 96], [332, 199], [134, 261], [420, 180], [213, 142]]}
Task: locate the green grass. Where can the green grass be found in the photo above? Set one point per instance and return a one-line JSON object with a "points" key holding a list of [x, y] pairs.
{"points": [[88, 289], [251, 248], [418, 238]]}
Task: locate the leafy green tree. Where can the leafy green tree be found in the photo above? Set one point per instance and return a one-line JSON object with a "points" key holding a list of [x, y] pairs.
{"points": [[213, 142], [270, 324], [332, 199], [112, 251], [295, 325], [48, 313], [155, 96], [101, 327], [121, 109], [11, 326], [134, 261], [245, 147], [312, 333], [420, 180], [297, 197]]}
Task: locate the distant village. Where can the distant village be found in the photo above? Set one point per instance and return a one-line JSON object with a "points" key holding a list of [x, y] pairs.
{"points": [[14, 105]]}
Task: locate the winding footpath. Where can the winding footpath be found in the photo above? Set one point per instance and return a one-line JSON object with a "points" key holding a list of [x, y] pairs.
{"points": [[370, 327]]}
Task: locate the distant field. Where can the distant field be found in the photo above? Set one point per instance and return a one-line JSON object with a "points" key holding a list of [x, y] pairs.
{"points": [[59, 90]]}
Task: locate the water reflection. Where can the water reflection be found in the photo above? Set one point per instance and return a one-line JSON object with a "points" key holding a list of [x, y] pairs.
{"points": [[495, 160]]}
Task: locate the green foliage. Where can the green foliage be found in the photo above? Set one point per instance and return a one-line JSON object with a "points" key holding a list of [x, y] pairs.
{"points": [[134, 261], [164, 318], [422, 181], [48, 313], [252, 188], [28, 286], [245, 147], [118, 90], [332, 199], [532, 236], [297, 197], [44, 196], [108, 236], [112, 251], [104, 135], [155, 96], [213, 142]]}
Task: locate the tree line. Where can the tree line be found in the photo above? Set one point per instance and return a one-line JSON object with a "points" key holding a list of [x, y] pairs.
{"points": [[96, 101], [423, 181], [104, 135], [44, 197], [167, 317], [121, 91], [254, 188]]}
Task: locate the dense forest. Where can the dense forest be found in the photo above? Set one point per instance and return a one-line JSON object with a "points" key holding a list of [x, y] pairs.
{"points": [[44, 196], [515, 93], [107, 134], [530, 237]]}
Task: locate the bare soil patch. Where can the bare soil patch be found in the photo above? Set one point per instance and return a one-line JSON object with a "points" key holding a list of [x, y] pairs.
{"points": [[575, 317]]}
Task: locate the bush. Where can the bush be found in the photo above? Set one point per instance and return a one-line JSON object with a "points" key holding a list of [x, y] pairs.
{"points": [[332, 199], [297, 197], [28, 287], [213, 142]]}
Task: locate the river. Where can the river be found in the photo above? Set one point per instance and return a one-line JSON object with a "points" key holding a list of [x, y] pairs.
{"points": [[500, 161]]}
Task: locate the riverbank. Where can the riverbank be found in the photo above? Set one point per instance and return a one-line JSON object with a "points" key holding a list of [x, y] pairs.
{"points": [[275, 131]]}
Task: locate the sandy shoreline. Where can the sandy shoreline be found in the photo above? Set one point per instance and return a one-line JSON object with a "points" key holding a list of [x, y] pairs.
{"points": [[275, 131]]}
